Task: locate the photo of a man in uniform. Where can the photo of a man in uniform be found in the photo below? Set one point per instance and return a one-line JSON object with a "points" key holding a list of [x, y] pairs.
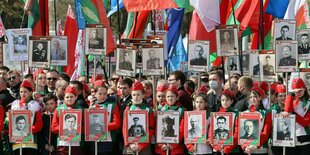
{"points": [[199, 59], [167, 130], [136, 129], [57, 53], [232, 64], [40, 53], [125, 62], [249, 126], [153, 62], [304, 47], [20, 126], [95, 41], [70, 121], [267, 68], [287, 59], [227, 41], [284, 33], [221, 132], [195, 130], [96, 127]]}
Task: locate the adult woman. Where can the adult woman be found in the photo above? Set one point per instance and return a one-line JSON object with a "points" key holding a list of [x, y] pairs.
{"points": [[20, 45]]}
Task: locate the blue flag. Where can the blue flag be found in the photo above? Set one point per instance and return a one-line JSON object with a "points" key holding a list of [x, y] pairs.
{"points": [[79, 16], [179, 57], [277, 8], [114, 6]]}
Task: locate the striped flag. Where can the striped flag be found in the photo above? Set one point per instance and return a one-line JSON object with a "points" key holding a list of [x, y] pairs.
{"points": [[59, 30], [143, 5], [113, 6], [79, 56], [298, 10], [2, 29]]}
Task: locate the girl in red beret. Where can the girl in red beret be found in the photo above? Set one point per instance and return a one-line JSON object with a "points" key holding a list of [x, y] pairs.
{"points": [[174, 149], [299, 104], [161, 91], [26, 102], [200, 103]]}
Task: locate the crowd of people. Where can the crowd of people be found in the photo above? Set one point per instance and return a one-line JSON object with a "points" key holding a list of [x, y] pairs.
{"points": [[46, 92]]}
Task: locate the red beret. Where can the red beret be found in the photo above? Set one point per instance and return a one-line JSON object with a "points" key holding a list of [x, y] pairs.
{"points": [[173, 89], [280, 88], [262, 85], [298, 84], [98, 77], [71, 90], [26, 84], [99, 83], [202, 89], [85, 87], [259, 91], [137, 86], [273, 86], [161, 88], [40, 71], [229, 94]]}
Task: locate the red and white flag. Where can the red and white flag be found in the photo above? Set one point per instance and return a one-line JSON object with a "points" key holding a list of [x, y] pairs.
{"points": [[59, 29], [2, 29]]}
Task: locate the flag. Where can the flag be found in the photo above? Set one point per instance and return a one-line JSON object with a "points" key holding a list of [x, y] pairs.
{"points": [[113, 6], [59, 30], [130, 18], [71, 31], [143, 5], [248, 15], [38, 17], [179, 57], [2, 29], [33, 10], [139, 23], [277, 8], [226, 8], [79, 55], [298, 10], [80, 18], [208, 12]]}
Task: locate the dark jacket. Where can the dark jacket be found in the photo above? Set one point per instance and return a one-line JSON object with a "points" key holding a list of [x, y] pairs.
{"points": [[185, 99], [44, 135], [6, 98], [15, 91], [81, 101]]}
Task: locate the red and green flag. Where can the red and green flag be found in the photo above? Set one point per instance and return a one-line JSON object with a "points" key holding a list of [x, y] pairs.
{"points": [[143, 5], [38, 16]]}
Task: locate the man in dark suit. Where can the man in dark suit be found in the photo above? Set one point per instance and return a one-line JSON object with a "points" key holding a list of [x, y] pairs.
{"points": [[232, 64], [96, 127], [199, 60], [221, 132], [267, 68], [95, 42], [287, 59], [304, 48], [284, 33], [39, 54], [249, 128]]}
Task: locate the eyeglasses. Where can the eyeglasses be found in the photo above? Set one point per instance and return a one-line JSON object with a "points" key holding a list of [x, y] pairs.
{"points": [[12, 78], [50, 79]]}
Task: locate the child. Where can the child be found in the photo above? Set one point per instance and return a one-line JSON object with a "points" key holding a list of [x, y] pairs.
{"points": [[171, 97], [27, 103], [62, 146], [48, 140], [137, 103], [161, 89], [202, 148]]}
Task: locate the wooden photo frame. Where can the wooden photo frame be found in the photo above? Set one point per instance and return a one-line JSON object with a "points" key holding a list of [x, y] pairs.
{"points": [[96, 39], [195, 127], [59, 51], [267, 66], [39, 52], [227, 40], [126, 60], [222, 128], [286, 56], [70, 121], [284, 131], [303, 37], [153, 59], [96, 125], [137, 126], [198, 55], [20, 126], [168, 124], [254, 65], [18, 41], [249, 128]]}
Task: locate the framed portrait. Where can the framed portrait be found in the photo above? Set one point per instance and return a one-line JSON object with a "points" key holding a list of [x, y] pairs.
{"points": [[137, 125], [39, 52], [233, 64], [20, 126], [227, 40], [70, 121], [126, 60], [18, 41], [254, 68], [168, 124], [283, 133], [96, 62], [153, 59], [96, 39], [286, 56], [198, 55], [284, 29], [138, 43], [156, 39], [267, 66], [59, 51], [303, 44], [96, 124], [195, 127], [245, 60], [222, 128], [249, 128], [14, 65]]}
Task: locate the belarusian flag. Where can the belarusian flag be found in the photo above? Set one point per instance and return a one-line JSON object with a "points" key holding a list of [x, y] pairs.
{"points": [[33, 9], [298, 10], [143, 5], [136, 22], [2, 29]]}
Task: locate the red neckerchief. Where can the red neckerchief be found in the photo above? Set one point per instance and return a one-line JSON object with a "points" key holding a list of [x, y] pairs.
{"points": [[22, 102], [253, 108], [222, 109]]}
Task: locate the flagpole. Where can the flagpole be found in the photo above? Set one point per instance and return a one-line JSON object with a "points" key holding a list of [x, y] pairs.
{"points": [[118, 22], [55, 17], [21, 23], [262, 23], [233, 11]]}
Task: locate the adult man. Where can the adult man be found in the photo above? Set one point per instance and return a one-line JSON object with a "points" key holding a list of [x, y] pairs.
{"points": [[284, 133], [60, 88], [227, 42], [20, 129], [153, 62], [232, 64], [125, 95], [51, 76], [3, 71], [256, 67], [249, 130], [96, 127], [94, 41], [267, 68], [79, 89], [195, 130], [221, 132], [57, 53], [5, 95], [70, 121], [125, 64], [136, 129], [167, 130], [216, 80], [14, 81], [199, 60], [39, 54], [245, 83], [284, 33], [304, 48], [287, 59]]}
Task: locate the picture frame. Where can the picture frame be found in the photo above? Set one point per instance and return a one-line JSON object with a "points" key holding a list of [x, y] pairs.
{"points": [[98, 61], [95, 39], [222, 128], [283, 133], [195, 127], [303, 44], [14, 65], [137, 126], [70, 127], [39, 52], [254, 65], [227, 40], [249, 128], [284, 29], [245, 59], [233, 64], [286, 56], [96, 125], [198, 55], [59, 51], [138, 43], [126, 60], [170, 133], [267, 66], [20, 126], [18, 42], [153, 59]]}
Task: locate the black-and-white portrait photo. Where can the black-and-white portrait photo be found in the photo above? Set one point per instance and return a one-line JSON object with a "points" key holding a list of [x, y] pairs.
{"points": [[221, 128], [249, 129], [232, 63], [284, 130], [286, 56], [70, 125], [39, 53], [168, 127], [59, 50], [254, 64], [303, 44], [200, 58], [18, 40], [245, 61], [267, 66], [95, 40], [227, 41], [20, 126], [126, 61], [195, 126], [137, 129], [153, 60], [20, 44], [198, 55], [96, 124], [96, 61], [284, 30]]}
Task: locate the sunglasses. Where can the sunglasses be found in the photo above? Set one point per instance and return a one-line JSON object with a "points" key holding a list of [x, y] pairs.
{"points": [[12, 78], [50, 79]]}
